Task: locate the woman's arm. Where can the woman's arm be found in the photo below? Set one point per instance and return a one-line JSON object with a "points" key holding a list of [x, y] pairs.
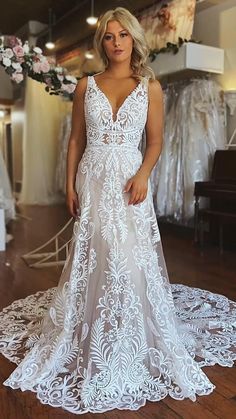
{"points": [[76, 145], [138, 184]]}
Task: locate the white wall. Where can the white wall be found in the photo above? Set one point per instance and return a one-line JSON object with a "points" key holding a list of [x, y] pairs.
{"points": [[216, 26]]}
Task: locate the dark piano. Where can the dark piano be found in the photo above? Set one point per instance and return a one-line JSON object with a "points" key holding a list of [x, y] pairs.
{"points": [[221, 191]]}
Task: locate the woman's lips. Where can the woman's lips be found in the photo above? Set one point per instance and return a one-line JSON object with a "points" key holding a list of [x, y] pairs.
{"points": [[118, 51]]}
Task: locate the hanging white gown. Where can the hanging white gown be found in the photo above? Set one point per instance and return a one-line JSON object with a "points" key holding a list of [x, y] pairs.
{"points": [[194, 130], [110, 335], [60, 176], [7, 201]]}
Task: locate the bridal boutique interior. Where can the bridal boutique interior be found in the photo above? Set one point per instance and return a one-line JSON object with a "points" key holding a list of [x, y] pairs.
{"points": [[193, 183]]}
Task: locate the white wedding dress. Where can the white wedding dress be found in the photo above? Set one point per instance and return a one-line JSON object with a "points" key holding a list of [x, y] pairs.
{"points": [[111, 335]]}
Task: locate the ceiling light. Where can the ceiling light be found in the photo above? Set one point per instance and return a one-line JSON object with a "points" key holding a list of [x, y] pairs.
{"points": [[2, 113], [50, 44], [92, 20]]}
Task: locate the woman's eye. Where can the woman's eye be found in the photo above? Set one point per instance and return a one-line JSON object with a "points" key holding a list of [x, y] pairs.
{"points": [[109, 37]]}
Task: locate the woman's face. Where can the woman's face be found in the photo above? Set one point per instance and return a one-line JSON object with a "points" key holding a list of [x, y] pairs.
{"points": [[117, 42]]}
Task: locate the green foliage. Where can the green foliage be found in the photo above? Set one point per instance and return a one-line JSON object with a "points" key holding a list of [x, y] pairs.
{"points": [[170, 47]]}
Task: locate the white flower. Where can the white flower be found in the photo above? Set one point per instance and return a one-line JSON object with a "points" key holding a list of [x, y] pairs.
{"points": [[69, 88], [17, 77], [6, 61], [26, 48], [17, 66], [71, 78], [58, 69], [37, 50], [8, 53]]}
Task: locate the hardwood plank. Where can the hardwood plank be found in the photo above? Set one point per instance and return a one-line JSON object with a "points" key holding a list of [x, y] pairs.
{"points": [[219, 405], [225, 384], [10, 406], [158, 410], [190, 410]]}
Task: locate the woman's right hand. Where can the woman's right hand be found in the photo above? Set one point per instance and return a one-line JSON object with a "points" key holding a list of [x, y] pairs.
{"points": [[72, 202]]}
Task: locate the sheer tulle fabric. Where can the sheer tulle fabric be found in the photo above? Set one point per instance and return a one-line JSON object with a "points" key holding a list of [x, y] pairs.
{"points": [[111, 335]]}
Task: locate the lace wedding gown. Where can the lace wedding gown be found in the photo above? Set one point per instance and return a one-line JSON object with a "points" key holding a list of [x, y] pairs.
{"points": [[111, 335]]}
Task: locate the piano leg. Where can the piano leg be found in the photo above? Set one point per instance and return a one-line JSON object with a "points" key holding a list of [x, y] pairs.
{"points": [[196, 220], [201, 233]]}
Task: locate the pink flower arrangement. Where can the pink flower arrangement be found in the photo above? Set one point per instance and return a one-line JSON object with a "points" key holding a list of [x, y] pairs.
{"points": [[45, 66], [18, 51], [36, 67], [21, 60]]}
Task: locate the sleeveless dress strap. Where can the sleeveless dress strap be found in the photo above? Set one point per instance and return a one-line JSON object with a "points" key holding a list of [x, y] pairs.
{"points": [[145, 83], [89, 83]]}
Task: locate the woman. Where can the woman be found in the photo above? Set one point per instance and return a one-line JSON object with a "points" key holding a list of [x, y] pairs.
{"points": [[118, 82], [110, 337]]}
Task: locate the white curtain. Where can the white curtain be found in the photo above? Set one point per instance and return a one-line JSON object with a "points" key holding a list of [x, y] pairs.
{"points": [[43, 114]]}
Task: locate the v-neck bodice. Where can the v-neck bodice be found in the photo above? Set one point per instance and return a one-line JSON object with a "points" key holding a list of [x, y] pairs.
{"points": [[129, 122], [133, 91]]}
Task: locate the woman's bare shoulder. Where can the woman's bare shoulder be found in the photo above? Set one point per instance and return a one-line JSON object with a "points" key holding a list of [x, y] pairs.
{"points": [[101, 75], [155, 86], [155, 90], [81, 86]]}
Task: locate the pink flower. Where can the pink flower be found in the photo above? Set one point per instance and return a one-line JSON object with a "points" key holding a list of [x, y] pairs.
{"points": [[69, 88], [18, 51], [44, 66], [17, 77], [12, 41], [37, 67]]}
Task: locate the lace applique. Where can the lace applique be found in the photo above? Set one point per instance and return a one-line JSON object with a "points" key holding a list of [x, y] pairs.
{"points": [[130, 120]]}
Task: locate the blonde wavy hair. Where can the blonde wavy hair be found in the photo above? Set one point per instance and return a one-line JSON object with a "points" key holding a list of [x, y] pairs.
{"points": [[140, 48]]}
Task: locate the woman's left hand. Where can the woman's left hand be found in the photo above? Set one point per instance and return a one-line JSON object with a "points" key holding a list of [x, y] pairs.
{"points": [[137, 186]]}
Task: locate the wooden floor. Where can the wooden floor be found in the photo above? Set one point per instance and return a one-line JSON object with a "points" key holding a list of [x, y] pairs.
{"points": [[185, 265]]}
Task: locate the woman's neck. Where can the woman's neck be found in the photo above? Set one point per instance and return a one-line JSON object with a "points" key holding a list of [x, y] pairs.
{"points": [[119, 71]]}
